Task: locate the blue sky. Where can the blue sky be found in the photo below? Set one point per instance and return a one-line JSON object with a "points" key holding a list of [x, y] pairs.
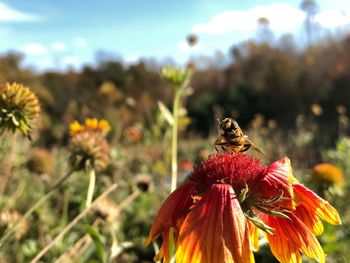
{"points": [[61, 33]]}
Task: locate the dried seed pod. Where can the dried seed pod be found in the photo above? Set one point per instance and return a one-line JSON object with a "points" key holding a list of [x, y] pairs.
{"points": [[89, 149]]}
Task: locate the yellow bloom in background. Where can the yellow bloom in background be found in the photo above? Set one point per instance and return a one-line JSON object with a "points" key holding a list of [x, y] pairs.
{"points": [[75, 128], [104, 126], [328, 173], [91, 124], [19, 107], [316, 109]]}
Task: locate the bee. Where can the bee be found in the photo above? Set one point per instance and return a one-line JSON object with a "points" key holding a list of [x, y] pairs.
{"points": [[232, 138]]}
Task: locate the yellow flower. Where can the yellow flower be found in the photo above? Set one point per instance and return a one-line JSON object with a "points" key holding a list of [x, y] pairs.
{"points": [[91, 124], [316, 109], [328, 173], [75, 128], [103, 126], [19, 107]]}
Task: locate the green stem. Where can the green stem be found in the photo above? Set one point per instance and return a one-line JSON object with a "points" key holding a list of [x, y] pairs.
{"points": [[176, 108], [72, 223], [92, 182], [10, 231], [176, 105]]}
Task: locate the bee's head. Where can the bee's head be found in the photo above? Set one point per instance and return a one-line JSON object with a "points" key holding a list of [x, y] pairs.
{"points": [[228, 124]]}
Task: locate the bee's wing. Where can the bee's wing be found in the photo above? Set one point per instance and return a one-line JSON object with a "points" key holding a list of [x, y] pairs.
{"points": [[256, 148]]}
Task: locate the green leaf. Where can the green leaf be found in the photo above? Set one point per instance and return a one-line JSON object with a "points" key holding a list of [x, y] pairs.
{"points": [[166, 113], [96, 237], [14, 121]]}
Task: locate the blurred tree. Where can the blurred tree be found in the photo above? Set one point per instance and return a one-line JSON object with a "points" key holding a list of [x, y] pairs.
{"points": [[264, 32], [310, 8]]}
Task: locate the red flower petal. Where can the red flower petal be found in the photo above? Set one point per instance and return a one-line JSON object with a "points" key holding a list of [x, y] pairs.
{"points": [[215, 231], [292, 235], [315, 204], [278, 178], [254, 236], [310, 219], [164, 251], [281, 246], [173, 209]]}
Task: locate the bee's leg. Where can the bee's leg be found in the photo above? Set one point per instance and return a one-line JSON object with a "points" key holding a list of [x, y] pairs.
{"points": [[245, 147], [223, 149]]}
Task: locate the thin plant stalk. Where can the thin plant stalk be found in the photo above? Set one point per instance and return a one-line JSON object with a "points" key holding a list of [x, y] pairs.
{"points": [[128, 200], [73, 223], [90, 193], [38, 203], [8, 162], [175, 129], [85, 241], [174, 141], [78, 247]]}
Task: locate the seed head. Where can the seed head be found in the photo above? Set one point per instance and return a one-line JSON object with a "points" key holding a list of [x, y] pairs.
{"points": [[89, 149], [19, 107]]}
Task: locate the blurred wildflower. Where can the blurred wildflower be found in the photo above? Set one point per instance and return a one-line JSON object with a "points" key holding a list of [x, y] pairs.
{"points": [[186, 165], [176, 76], [97, 125], [192, 40], [343, 120], [316, 109], [133, 133], [9, 219], [272, 124], [215, 216], [191, 65], [328, 173], [341, 109], [89, 149], [144, 183], [75, 128], [108, 91], [107, 209], [258, 121], [19, 107], [203, 154], [130, 101], [40, 161], [102, 126]]}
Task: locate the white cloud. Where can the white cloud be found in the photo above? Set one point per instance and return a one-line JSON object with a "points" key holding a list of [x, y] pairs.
{"points": [[68, 61], [332, 19], [34, 49], [282, 18], [9, 14], [79, 42], [58, 46], [131, 59], [184, 47]]}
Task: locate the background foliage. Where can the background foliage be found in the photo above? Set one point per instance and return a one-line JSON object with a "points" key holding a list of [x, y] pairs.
{"points": [[289, 102]]}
